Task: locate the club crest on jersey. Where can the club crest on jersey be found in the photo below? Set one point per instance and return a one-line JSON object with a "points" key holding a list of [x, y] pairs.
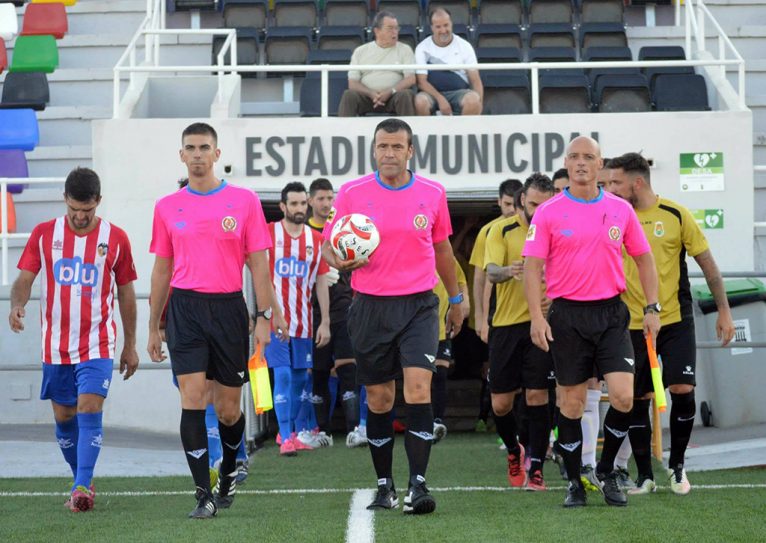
{"points": [[659, 229], [420, 221], [229, 224], [615, 233], [102, 249], [531, 232], [309, 252]]}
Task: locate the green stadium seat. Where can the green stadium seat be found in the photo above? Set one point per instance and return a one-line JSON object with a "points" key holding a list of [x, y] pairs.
{"points": [[18, 129], [35, 54], [41, 19], [9, 24]]}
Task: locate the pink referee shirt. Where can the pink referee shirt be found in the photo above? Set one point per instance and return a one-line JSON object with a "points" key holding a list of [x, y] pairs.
{"points": [[581, 242], [410, 220], [208, 236]]}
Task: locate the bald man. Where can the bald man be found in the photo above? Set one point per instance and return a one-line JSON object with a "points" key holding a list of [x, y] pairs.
{"points": [[578, 237]]}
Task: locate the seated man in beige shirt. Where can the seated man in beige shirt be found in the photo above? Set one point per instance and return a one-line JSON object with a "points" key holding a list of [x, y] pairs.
{"points": [[380, 90]]}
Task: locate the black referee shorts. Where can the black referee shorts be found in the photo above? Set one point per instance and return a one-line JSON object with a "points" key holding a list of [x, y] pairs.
{"points": [[676, 347], [587, 335], [339, 347], [515, 362], [389, 333], [209, 333]]}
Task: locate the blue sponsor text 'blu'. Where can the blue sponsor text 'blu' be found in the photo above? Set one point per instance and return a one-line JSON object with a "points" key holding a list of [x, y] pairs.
{"points": [[291, 267], [72, 271]]}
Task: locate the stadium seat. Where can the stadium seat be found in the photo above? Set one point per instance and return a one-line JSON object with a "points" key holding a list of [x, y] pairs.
{"points": [[551, 35], [505, 94], [564, 94], [409, 34], [35, 54], [606, 54], [617, 93], [552, 54], [680, 92], [287, 45], [310, 99], [197, 5], [329, 56], [602, 35], [248, 53], [407, 11], [346, 13], [499, 54], [550, 11], [500, 12], [661, 52], [13, 163], [245, 14], [595, 73], [41, 19], [295, 13], [652, 73], [602, 11], [3, 57], [67, 3], [457, 29], [11, 213], [9, 24], [460, 11], [341, 37], [18, 129], [499, 35], [25, 90]]}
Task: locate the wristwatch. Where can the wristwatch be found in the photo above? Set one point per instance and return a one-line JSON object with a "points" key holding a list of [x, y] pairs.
{"points": [[653, 308], [457, 299], [266, 314]]}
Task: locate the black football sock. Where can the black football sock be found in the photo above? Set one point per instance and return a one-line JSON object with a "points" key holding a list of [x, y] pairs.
{"points": [[640, 435], [485, 401], [570, 446], [231, 437], [539, 432], [616, 425], [321, 399], [194, 441], [380, 438], [439, 392], [348, 395], [506, 429], [418, 439], [682, 414]]}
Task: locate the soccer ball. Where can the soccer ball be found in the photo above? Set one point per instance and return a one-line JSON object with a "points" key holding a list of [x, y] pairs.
{"points": [[354, 237]]}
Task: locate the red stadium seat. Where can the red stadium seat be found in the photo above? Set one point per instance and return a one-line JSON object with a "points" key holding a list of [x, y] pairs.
{"points": [[3, 57], [41, 19]]}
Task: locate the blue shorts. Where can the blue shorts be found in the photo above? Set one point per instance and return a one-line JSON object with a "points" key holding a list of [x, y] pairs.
{"points": [[294, 353], [63, 383]]}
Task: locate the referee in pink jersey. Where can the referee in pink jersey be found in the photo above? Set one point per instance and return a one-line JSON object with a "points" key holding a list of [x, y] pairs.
{"points": [[577, 238], [202, 236], [393, 320]]}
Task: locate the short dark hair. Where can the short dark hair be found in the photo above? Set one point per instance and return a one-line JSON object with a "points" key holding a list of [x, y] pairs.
{"points": [[438, 10], [539, 181], [295, 186], [517, 198], [509, 188], [632, 163], [319, 184], [561, 173], [82, 185], [377, 22], [607, 163], [200, 129], [392, 126]]}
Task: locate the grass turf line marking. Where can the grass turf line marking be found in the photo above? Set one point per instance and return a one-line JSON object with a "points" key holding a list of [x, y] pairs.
{"points": [[360, 527], [289, 491]]}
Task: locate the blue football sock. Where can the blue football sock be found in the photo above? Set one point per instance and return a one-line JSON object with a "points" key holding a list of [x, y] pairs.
{"points": [[297, 385], [213, 435], [88, 446], [363, 407], [311, 412], [66, 435], [282, 400], [333, 385], [306, 408], [242, 451]]}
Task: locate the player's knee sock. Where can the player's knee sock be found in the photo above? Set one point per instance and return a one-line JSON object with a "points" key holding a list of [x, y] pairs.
{"points": [[348, 395], [333, 384], [321, 398], [623, 454], [640, 435], [682, 414], [522, 420], [194, 441], [590, 425], [616, 424], [282, 400], [418, 439], [297, 384], [539, 431], [570, 445], [213, 436], [439, 392], [303, 418], [485, 401], [66, 436], [231, 439], [380, 437], [89, 438], [363, 407], [506, 429]]}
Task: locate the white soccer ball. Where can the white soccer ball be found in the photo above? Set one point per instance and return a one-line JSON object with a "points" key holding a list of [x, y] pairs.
{"points": [[354, 237]]}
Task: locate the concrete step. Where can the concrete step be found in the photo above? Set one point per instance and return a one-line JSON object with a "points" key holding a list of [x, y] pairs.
{"points": [[69, 125], [58, 160], [732, 14]]}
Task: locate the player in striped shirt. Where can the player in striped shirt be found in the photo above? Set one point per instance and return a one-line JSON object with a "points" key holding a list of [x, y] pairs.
{"points": [[82, 257], [295, 264]]}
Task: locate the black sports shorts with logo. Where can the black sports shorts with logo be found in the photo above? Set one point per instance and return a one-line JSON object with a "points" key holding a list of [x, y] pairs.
{"points": [[209, 333], [515, 362], [389, 333], [588, 334], [676, 346]]}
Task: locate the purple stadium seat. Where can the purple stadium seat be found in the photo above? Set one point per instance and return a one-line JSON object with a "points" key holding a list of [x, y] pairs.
{"points": [[13, 163], [18, 129]]}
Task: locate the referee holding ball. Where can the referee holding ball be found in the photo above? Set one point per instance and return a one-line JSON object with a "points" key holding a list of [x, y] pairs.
{"points": [[393, 320]]}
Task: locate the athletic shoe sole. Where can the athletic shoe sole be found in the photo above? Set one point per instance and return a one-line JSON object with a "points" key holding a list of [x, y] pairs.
{"points": [[423, 506]]}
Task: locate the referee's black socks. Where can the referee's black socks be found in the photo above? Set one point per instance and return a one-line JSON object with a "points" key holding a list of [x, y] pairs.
{"points": [[231, 437], [616, 425], [682, 414], [507, 430], [418, 439], [641, 437], [194, 440], [539, 433], [570, 445], [380, 438]]}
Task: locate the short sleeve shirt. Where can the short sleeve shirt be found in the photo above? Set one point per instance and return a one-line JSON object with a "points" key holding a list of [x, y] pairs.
{"points": [[459, 51], [371, 53]]}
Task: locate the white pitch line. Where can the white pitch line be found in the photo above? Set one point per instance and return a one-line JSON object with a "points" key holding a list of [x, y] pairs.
{"points": [[360, 527], [290, 491]]}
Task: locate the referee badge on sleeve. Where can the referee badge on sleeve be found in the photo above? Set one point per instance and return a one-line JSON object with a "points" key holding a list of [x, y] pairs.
{"points": [[531, 233]]}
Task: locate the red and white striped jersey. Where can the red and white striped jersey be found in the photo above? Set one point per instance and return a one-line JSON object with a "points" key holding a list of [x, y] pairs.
{"points": [[295, 264], [77, 287]]}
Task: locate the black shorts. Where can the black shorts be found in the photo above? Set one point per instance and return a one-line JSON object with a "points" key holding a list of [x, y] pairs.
{"points": [[587, 335], [677, 350], [515, 362], [209, 333], [389, 333], [339, 347], [444, 351]]}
